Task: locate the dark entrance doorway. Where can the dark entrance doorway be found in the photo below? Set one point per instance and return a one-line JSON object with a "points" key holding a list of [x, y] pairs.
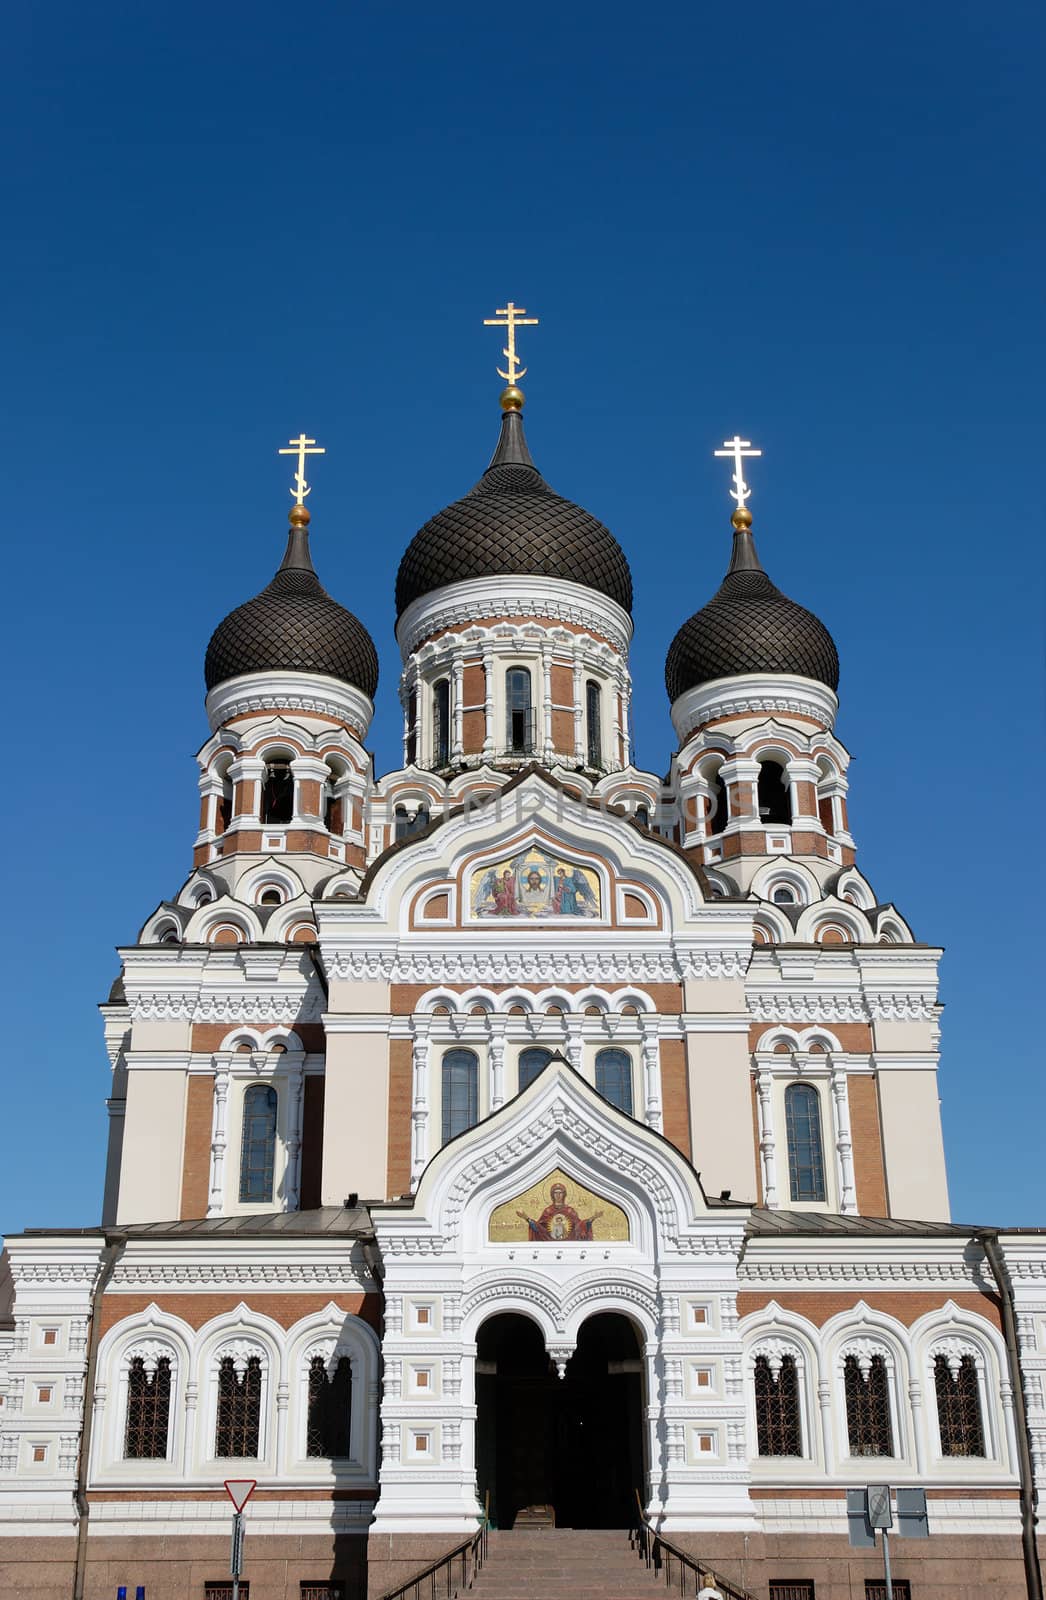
{"points": [[573, 1443]]}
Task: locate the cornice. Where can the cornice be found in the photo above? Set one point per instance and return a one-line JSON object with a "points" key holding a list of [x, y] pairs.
{"points": [[458, 604], [753, 693], [309, 692], [544, 964]]}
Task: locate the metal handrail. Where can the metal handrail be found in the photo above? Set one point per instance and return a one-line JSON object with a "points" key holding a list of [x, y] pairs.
{"points": [[437, 1582], [659, 1554]]}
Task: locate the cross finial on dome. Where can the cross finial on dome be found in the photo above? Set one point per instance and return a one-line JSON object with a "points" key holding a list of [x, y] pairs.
{"points": [[511, 317], [739, 450], [301, 447]]}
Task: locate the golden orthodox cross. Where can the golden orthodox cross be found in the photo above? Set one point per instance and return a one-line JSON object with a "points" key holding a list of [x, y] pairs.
{"points": [[302, 447], [739, 450], [511, 317]]}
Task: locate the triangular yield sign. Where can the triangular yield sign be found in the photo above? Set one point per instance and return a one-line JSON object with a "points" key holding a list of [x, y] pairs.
{"points": [[240, 1490]]}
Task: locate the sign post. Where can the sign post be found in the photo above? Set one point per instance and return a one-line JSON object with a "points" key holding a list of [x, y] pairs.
{"points": [[239, 1491], [880, 1517]]}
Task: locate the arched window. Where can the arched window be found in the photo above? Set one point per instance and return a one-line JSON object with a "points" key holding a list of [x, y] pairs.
{"points": [[258, 1149], [614, 1078], [642, 816], [777, 1417], [775, 799], [238, 1422], [148, 1409], [783, 894], [718, 802], [805, 1154], [530, 1064], [441, 722], [460, 1092], [868, 1424], [333, 809], [277, 792], [593, 723], [519, 733], [409, 822], [958, 1406], [329, 1408], [411, 752]]}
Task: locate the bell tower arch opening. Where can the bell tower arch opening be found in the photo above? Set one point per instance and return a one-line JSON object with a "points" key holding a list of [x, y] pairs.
{"points": [[567, 1449]]}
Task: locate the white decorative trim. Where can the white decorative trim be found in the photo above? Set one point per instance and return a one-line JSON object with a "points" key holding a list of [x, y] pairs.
{"points": [[458, 604], [544, 964], [314, 693], [753, 692]]}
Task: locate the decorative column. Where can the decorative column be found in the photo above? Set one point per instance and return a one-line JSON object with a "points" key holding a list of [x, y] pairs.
{"points": [[741, 777], [295, 1067], [620, 758], [764, 1084], [457, 689], [579, 710], [652, 1071], [915, 1396], [282, 1398], [497, 1027], [800, 773], [573, 1047], [219, 1137], [546, 702], [245, 775], [310, 777], [192, 1395], [489, 737], [420, 1104], [824, 1402], [843, 1138]]}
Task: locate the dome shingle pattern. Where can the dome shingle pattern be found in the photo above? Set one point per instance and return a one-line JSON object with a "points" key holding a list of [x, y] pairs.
{"points": [[750, 626], [513, 524], [293, 625]]}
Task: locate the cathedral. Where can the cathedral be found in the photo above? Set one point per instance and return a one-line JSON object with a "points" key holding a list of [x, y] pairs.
{"points": [[520, 1140]]}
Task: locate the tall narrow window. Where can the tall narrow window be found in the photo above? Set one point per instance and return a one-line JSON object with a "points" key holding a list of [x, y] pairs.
{"points": [[520, 707], [277, 792], [868, 1425], [805, 1154], [959, 1407], [614, 1078], [441, 723], [258, 1152], [239, 1407], [330, 1409], [777, 1408], [530, 1064], [718, 804], [460, 1092], [333, 810], [775, 799], [148, 1409], [411, 751], [593, 723]]}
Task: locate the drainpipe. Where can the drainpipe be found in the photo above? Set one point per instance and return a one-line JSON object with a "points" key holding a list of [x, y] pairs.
{"points": [[110, 1255], [988, 1239]]}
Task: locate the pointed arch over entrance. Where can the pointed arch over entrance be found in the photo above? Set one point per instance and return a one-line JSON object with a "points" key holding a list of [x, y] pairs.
{"points": [[566, 1449]]}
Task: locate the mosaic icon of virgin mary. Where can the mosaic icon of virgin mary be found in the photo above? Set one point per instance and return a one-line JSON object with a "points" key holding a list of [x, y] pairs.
{"points": [[559, 1221]]}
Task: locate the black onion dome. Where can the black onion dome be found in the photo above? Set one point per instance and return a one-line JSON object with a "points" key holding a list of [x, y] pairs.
{"points": [[512, 524], [749, 626], [293, 626]]}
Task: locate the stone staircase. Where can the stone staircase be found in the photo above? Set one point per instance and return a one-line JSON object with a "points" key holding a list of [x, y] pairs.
{"points": [[565, 1564]]}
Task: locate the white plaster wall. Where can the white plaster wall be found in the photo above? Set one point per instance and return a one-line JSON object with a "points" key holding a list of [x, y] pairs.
{"points": [[722, 1139], [355, 1116], [154, 1135], [913, 1145]]}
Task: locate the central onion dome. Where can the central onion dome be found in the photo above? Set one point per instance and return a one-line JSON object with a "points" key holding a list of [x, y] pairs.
{"points": [[749, 626], [293, 626], [513, 525]]}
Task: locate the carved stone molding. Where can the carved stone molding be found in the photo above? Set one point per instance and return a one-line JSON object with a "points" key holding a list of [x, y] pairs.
{"points": [[542, 965]]}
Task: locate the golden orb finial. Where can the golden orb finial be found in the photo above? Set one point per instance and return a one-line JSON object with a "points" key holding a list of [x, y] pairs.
{"points": [[299, 516], [742, 518], [512, 398]]}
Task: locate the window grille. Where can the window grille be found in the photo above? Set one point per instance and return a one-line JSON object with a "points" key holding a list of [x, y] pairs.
{"points": [[793, 1589], [805, 1153], [441, 722], [330, 1409], [222, 1590], [148, 1410], [520, 711], [593, 720], [239, 1408], [868, 1424], [321, 1591], [875, 1589], [258, 1153], [460, 1092], [777, 1408], [959, 1407], [614, 1078], [531, 1063]]}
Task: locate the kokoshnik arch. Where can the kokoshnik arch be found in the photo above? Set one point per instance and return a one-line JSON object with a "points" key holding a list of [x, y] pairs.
{"points": [[514, 1092]]}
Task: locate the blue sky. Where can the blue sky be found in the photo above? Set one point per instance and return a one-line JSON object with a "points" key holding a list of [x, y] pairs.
{"points": [[815, 224]]}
